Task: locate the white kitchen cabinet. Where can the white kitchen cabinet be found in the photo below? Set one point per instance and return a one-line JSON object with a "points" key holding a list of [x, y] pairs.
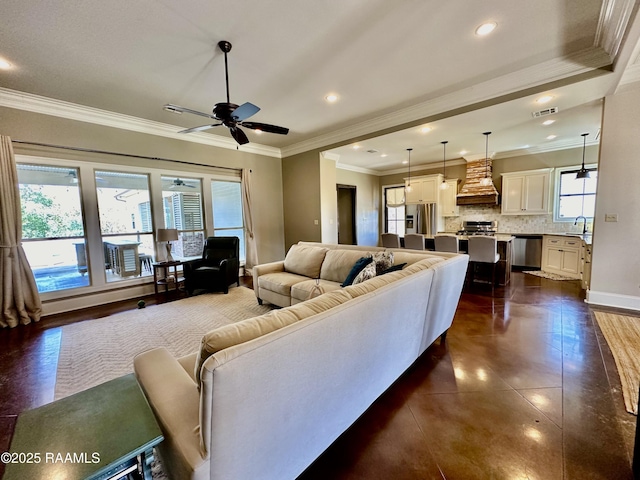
{"points": [[526, 193], [447, 205], [424, 189], [562, 255]]}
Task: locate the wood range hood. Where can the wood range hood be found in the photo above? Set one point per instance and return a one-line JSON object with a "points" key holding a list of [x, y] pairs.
{"points": [[473, 192]]}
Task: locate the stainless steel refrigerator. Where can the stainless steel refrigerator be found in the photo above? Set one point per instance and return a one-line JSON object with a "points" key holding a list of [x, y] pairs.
{"points": [[426, 219]]}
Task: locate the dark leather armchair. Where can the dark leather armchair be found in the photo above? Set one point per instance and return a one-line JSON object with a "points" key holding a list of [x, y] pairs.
{"points": [[218, 267]]}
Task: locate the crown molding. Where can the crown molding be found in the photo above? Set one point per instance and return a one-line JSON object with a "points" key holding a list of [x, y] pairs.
{"points": [[353, 168], [579, 63], [565, 145], [422, 166], [612, 25], [58, 108]]}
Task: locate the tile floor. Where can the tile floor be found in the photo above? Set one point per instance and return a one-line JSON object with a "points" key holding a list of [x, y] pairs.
{"points": [[525, 387]]}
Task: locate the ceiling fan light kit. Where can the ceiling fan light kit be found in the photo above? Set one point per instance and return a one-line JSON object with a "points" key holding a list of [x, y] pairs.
{"points": [[229, 114]]}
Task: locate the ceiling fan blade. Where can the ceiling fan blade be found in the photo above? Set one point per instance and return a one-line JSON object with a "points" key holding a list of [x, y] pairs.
{"points": [[177, 108], [265, 127], [239, 135], [245, 110], [200, 128]]}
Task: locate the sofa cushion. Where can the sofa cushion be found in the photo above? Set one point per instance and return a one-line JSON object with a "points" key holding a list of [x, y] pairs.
{"points": [[305, 260], [356, 269], [302, 291], [240, 332], [280, 282], [338, 263], [367, 273]]}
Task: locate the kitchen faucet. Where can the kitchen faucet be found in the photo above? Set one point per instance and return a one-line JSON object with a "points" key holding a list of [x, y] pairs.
{"points": [[584, 228]]}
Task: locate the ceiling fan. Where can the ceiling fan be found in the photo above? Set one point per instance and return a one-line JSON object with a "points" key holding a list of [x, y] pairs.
{"points": [[178, 182], [229, 114]]}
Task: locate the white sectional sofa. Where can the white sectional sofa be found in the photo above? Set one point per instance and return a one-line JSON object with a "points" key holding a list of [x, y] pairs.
{"points": [[263, 398]]}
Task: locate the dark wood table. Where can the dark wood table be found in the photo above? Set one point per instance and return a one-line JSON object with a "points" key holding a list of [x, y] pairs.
{"points": [[93, 435]]}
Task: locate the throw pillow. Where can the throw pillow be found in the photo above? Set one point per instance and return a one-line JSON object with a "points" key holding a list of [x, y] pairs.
{"points": [[394, 268], [367, 272], [356, 269], [383, 260]]}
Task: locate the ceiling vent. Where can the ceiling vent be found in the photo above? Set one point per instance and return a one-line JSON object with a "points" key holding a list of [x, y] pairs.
{"points": [[545, 112], [372, 151]]}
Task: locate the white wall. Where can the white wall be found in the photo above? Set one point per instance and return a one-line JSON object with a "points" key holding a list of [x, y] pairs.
{"points": [[615, 275]]}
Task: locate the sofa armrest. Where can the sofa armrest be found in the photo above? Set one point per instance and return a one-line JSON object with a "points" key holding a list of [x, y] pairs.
{"points": [[174, 398], [263, 269]]}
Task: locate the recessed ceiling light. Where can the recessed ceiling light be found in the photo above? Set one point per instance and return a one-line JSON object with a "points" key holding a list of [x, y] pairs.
{"points": [[4, 65], [551, 137], [331, 98], [383, 155], [425, 129], [356, 147], [548, 122], [404, 162], [486, 28], [463, 152], [545, 99]]}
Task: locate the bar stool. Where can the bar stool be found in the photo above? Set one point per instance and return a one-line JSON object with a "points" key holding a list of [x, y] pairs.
{"points": [[483, 249], [446, 243], [414, 241], [390, 240]]}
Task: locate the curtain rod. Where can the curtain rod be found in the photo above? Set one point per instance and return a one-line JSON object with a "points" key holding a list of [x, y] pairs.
{"points": [[130, 155]]}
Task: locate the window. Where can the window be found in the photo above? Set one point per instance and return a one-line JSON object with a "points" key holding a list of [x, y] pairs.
{"points": [[182, 208], [52, 228], [394, 210], [227, 211], [576, 197], [126, 223]]}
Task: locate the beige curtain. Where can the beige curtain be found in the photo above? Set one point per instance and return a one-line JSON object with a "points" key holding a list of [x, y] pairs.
{"points": [[19, 299], [251, 251]]}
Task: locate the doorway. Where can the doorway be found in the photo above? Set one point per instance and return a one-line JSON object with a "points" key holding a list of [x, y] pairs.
{"points": [[346, 214]]}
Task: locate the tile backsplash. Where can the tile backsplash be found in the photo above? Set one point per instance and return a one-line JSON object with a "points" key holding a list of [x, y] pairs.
{"points": [[512, 223]]}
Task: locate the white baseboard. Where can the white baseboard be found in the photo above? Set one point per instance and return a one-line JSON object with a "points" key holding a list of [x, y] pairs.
{"points": [[627, 302], [80, 302]]}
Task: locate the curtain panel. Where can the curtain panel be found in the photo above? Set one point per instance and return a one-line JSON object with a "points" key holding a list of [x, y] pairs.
{"points": [[19, 299], [251, 251]]}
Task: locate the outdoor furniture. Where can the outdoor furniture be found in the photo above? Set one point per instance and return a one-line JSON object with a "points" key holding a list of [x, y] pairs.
{"points": [[217, 269]]}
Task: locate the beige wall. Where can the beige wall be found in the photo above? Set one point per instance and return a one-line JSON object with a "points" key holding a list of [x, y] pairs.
{"points": [[328, 201], [615, 278], [367, 204], [301, 196]]}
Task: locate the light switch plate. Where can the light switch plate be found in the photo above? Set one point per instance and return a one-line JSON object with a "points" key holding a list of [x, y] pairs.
{"points": [[610, 217]]}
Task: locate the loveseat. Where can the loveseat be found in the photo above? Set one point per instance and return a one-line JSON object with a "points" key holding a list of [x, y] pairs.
{"points": [[264, 397]]}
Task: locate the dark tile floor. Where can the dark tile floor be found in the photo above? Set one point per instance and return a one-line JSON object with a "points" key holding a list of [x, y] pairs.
{"points": [[525, 387]]}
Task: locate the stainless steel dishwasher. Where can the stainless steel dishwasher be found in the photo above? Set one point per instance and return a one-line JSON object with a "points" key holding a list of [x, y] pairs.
{"points": [[527, 251]]}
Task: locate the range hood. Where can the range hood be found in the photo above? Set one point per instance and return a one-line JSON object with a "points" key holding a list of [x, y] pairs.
{"points": [[473, 192]]}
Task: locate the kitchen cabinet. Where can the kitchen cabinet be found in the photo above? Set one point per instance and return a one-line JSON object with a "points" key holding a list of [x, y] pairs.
{"points": [[562, 255], [447, 204], [526, 193], [424, 189], [586, 267]]}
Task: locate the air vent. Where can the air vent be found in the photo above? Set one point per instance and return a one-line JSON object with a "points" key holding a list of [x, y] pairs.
{"points": [[372, 151], [545, 112]]}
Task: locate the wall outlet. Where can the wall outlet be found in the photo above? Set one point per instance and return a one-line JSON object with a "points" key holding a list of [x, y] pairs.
{"points": [[610, 217], [315, 222]]}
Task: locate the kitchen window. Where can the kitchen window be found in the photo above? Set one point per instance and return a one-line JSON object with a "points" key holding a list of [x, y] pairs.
{"points": [[394, 211], [575, 197]]}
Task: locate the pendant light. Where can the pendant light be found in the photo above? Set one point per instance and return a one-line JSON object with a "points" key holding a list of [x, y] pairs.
{"points": [[444, 185], [486, 181], [408, 188], [583, 172]]}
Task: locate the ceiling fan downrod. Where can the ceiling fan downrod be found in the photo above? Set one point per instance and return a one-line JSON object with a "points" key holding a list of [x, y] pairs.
{"points": [[226, 48]]}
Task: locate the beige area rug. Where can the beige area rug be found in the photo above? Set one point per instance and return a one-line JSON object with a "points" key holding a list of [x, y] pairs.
{"points": [[623, 337], [95, 351], [550, 276]]}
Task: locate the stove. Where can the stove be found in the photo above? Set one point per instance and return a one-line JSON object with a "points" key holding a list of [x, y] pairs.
{"points": [[474, 227]]}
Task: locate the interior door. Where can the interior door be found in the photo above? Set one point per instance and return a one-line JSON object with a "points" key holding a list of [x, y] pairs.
{"points": [[346, 214]]}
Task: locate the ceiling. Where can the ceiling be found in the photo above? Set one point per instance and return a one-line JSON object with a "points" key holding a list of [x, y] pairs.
{"points": [[395, 66]]}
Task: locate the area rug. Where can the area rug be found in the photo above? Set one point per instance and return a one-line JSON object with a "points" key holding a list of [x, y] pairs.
{"points": [[623, 337], [550, 276], [95, 351]]}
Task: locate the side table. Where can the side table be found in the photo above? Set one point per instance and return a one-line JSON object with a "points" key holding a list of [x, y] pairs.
{"points": [[101, 433], [166, 274]]}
